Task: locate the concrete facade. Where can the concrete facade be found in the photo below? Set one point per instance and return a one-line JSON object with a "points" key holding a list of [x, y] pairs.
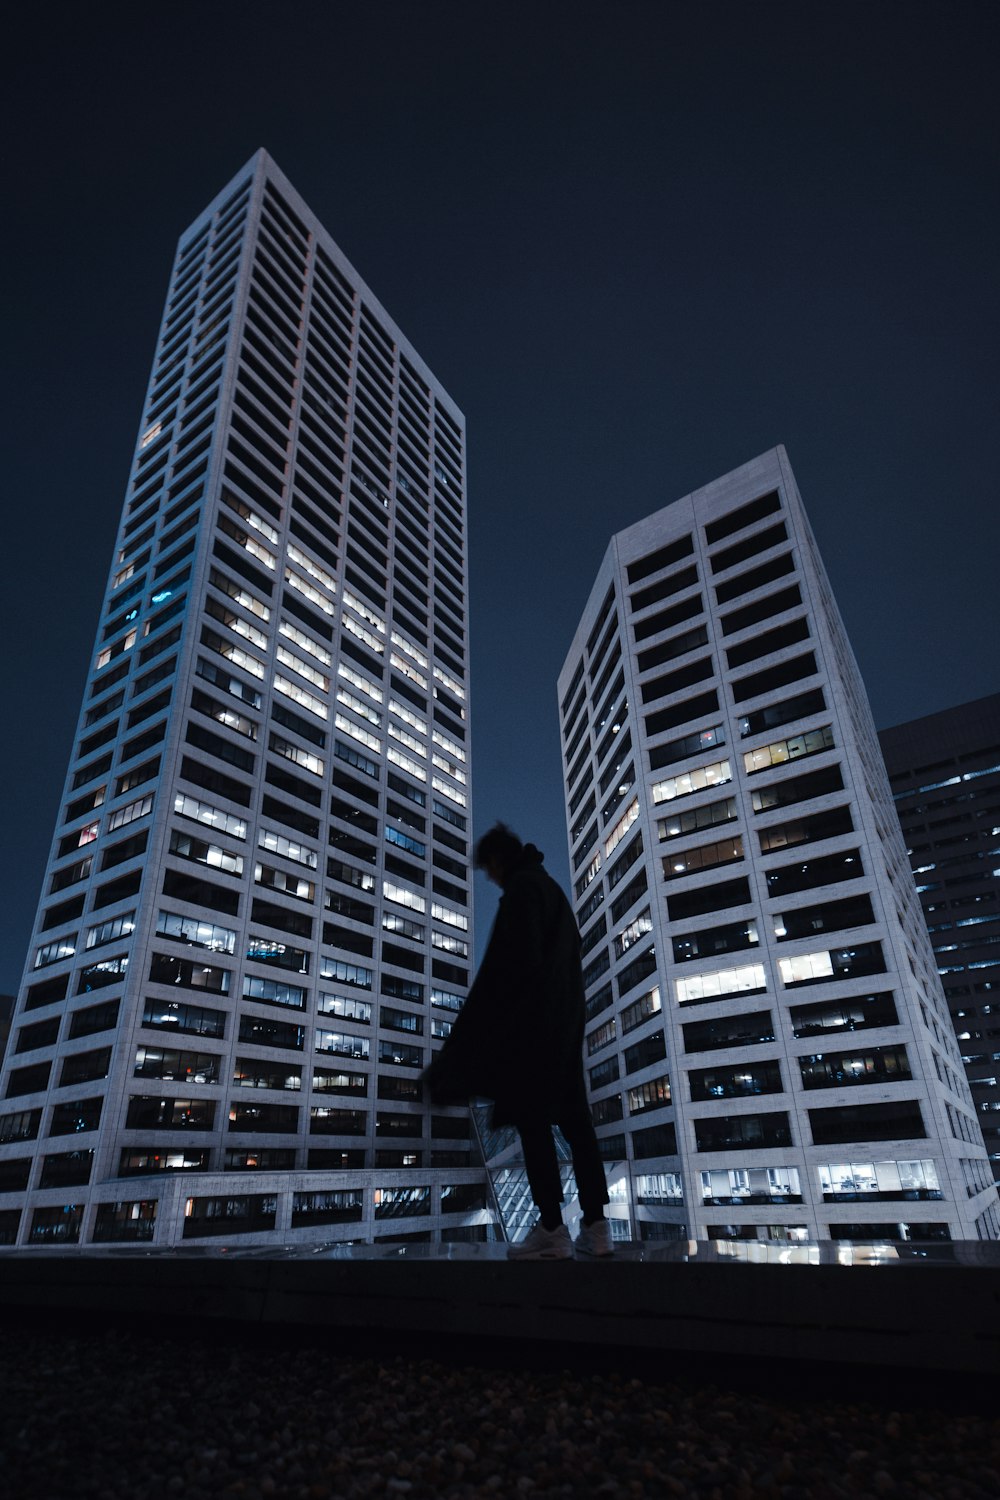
{"points": [[768, 1046]]}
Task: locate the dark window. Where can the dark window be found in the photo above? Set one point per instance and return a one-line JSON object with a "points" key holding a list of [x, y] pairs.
{"points": [[762, 609], [663, 589], [39, 1034], [729, 1031], [83, 1067], [810, 873], [810, 830], [673, 682], [125, 1223], [742, 1132], [664, 557], [334, 1206], [701, 707], [94, 1018], [348, 906], [271, 915], [31, 1080], [228, 1216], [128, 848], [624, 862], [792, 789], [652, 1049], [356, 788], [117, 890], [71, 874], [635, 972], [606, 1072], [214, 781], [687, 745], [629, 896], [773, 677], [598, 1002], [14, 1174], [178, 1017], [859, 1013], [65, 911], [188, 974], [20, 1125], [746, 515], [655, 1140], [755, 578], [56, 1226], [75, 1117], [347, 843], [66, 1169], [870, 1233], [833, 916], [867, 1122], [739, 1081], [708, 898], [688, 640], [772, 536], [198, 892], [766, 643], [297, 724], [47, 992], [277, 1119], [293, 786], [825, 1070], [733, 937], [802, 706], [267, 1033]]}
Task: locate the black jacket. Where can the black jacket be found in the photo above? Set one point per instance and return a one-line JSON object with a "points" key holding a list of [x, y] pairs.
{"points": [[519, 1036]]}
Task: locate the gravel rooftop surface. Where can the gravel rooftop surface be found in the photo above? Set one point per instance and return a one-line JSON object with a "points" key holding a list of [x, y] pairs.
{"points": [[122, 1415]]}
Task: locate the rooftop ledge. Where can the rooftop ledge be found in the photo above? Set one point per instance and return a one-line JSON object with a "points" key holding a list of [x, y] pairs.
{"points": [[900, 1306]]}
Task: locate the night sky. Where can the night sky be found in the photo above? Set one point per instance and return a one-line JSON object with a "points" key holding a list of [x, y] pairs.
{"points": [[638, 243]]}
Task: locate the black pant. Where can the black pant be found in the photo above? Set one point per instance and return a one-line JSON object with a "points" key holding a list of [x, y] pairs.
{"points": [[542, 1164]]}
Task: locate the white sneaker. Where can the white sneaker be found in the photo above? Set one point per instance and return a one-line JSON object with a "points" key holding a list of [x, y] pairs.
{"points": [[543, 1244], [594, 1240]]}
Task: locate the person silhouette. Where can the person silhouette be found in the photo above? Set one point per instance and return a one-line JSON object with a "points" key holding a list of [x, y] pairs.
{"points": [[518, 1041]]}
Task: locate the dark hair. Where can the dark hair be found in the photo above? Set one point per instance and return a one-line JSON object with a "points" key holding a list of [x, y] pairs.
{"points": [[498, 846]]}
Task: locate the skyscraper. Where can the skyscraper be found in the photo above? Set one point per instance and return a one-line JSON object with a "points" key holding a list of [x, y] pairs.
{"points": [[256, 912], [768, 1046], [945, 773]]}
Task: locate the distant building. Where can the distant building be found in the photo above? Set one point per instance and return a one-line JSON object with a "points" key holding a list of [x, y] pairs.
{"points": [[768, 1046], [945, 773], [6, 1012], [256, 913]]}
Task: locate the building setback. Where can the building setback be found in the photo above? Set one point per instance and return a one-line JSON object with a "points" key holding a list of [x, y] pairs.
{"points": [[768, 1046], [945, 773], [256, 913]]}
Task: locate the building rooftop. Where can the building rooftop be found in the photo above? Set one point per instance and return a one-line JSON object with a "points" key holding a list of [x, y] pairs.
{"points": [[902, 1307]]}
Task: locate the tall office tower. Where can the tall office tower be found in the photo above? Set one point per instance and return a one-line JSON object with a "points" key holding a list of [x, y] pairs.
{"points": [[767, 1041], [256, 913], [945, 773]]}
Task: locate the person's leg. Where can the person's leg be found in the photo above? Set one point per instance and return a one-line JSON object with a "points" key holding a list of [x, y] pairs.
{"points": [[577, 1126], [542, 1167]]}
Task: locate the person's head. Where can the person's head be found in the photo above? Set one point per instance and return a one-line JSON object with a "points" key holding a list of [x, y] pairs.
{"points": [[497, 852]]}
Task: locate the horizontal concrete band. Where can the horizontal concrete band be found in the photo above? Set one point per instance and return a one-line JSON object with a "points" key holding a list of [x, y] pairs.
{"points": [[908, 1315]]}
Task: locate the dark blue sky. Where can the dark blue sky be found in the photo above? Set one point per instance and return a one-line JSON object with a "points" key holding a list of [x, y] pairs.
{"points": [[638, 243]]}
